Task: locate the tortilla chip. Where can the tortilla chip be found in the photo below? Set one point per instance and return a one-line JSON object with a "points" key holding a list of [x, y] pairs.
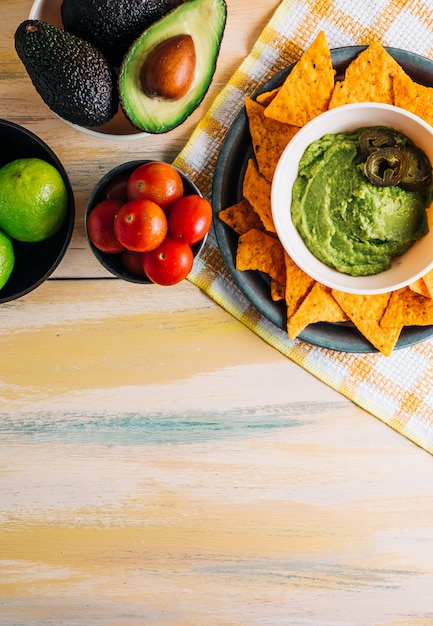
{"points": [[277, 290], [257, 190], [413, 97], [298, 284], [266, 97], [428, 282], [269, 137], [368, 78], [241, 217], [318, 306], [366, 313], [409, 308], [261, 251], [419, 286], [307, 90]]}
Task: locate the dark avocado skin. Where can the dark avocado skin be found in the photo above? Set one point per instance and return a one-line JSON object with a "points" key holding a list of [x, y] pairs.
{"points": [[72, 76], [112, 25]]}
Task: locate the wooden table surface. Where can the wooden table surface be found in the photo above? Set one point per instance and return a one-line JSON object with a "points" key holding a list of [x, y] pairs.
{"points": [[162, 465]]}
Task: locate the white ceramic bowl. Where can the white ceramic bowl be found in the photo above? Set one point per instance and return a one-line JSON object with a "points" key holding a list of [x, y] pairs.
{"points": [[118, 127], [417, 261]]}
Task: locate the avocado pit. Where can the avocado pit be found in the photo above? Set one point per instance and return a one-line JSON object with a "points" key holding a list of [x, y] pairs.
{"points": [[169, 69]]}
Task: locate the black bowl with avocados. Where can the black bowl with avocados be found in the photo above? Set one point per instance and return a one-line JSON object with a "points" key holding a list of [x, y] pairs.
{"points": [[113, 262], [34, 262]]}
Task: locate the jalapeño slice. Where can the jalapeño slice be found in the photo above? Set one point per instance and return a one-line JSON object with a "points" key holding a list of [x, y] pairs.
{"points": [[386, 167], [419, 170], [375, 138]]}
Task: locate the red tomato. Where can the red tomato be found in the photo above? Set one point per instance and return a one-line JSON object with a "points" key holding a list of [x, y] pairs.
{"points": [[100, 226], [190, 218], [156, 181], [140, 225], [169, 263], [116, 188], [133, 262]]}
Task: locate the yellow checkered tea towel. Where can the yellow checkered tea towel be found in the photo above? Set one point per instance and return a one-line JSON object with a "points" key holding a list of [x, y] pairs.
{"points": [[396, 389]]}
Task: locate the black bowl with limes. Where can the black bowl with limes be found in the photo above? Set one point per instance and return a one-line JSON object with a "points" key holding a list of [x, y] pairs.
{"points": [[34, 262]]}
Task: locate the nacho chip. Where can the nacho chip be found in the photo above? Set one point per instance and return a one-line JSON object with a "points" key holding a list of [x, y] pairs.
{"points": [[261, 251], [419, 286], [257, 190], [307, 90], [269, 137], [428, 282], [241, 217], [409, 308], [318, 306], [277, 290], [413, 97], [266, 97], [298, 284], [366, 313], [368, 78]]}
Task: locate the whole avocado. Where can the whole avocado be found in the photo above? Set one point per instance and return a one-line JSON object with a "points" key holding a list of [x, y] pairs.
{"points": [[112, 25], [70, 74]]}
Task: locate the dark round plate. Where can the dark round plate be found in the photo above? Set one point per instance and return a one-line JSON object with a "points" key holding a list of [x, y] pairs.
{"points": [[227, 190]]}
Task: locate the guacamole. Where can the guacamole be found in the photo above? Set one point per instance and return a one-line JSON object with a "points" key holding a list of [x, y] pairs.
{"points": [[345, 220]]}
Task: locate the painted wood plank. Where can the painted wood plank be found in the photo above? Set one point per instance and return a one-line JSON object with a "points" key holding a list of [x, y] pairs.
{"points": [[306, 523]]}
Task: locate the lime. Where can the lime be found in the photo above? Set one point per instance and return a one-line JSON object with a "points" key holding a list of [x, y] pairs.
{"points": [[33, 199], [7, 258]]}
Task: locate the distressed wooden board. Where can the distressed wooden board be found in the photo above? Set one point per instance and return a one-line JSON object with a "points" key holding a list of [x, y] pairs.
{"points": [[161, 465], [279, 524], [150, 473]]}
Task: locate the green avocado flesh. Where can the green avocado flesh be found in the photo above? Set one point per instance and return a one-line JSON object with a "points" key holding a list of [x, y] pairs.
{"points": [[204, 21], [346, 221]]}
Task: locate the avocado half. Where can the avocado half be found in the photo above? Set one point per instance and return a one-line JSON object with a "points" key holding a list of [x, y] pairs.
{"points": [[204, 21]]}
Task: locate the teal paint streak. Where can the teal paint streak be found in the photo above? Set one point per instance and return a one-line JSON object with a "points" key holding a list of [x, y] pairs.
{"points": [[155, 428]]}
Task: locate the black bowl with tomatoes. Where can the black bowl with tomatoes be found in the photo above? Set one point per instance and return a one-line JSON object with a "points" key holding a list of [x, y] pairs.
{"points": [[146, 221]]}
